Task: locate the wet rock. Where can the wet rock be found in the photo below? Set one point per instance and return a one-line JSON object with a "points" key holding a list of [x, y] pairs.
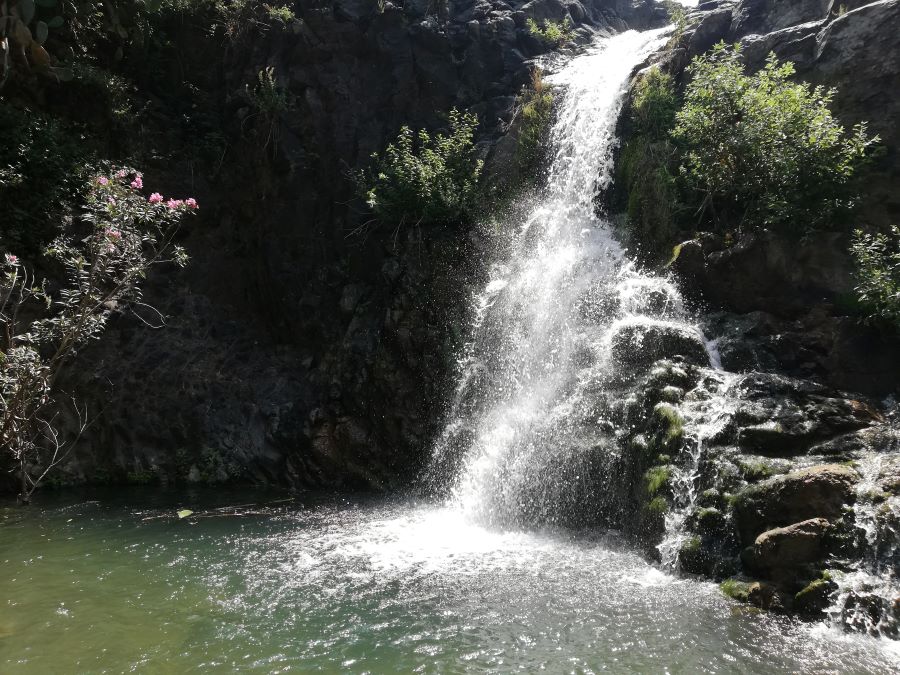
{"points": [[767, 596], [816, 492], [787, 547], [815, 597], [637, 345], [783, 416]]}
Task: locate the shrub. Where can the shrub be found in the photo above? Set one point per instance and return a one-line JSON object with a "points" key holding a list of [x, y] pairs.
{"points": [[762, 150], [537, 111], [423, 178], [877, 258], [280, 14], [270, 101], [555, 33], [678, 16], [121, 236]]}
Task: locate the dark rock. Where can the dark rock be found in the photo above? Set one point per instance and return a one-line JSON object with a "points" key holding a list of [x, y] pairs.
{"points": [[711, 29], [766, 16], [815, 597], [785, 416], [816, 492], [636, 345], [767, 596]]}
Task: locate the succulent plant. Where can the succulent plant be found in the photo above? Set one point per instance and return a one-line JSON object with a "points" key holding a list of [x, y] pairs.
{"points": [[24, 34]]}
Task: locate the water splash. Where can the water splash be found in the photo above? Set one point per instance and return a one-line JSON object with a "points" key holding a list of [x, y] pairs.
{"points": [[707, 409], [529, 441], [867, 598]]}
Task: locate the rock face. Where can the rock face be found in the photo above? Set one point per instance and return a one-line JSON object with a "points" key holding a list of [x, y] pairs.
{"points": [[306, 345]]}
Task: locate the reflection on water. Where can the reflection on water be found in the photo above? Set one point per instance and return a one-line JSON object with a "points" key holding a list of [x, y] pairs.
{"points": [[335, 585]]}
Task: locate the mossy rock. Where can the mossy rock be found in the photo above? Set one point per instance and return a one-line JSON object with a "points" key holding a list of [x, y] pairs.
{"points": [[736, 589], [656, 478], [708, 521], [815, 598]]}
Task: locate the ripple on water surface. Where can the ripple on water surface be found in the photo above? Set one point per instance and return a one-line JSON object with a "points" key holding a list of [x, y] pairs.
{"points": [[94, 587]]}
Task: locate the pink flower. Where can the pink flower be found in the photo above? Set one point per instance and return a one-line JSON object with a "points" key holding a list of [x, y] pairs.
{"points": [[138, 182], [103, 180], [175, 203], [113, 233], [12, 259], [155, 198], [120, 174], [191, 203]]}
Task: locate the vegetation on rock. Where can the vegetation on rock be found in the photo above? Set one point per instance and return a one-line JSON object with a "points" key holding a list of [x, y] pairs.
{"points": [[536, 111], [877, 258], [741, 151], [420, 178], [761, 150], [555, 33]]}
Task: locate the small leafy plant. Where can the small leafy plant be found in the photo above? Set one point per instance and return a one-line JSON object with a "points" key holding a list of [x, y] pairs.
{"points": [[536, 111], [555, 33], [43, 326], [424, 178], [270, 101], [877, 258]]}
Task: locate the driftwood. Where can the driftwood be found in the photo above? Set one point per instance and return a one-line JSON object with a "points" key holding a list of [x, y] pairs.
{"points": [[232, 511]]}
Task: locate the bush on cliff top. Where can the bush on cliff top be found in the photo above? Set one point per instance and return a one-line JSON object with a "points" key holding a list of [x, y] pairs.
{"points": [[761, 150], [420, 178]]}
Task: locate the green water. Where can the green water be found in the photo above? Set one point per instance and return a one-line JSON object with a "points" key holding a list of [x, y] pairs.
{"points": [[353, 586]]}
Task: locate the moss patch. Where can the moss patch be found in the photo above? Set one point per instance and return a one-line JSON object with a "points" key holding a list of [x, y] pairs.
{"points": [[736, 589]]}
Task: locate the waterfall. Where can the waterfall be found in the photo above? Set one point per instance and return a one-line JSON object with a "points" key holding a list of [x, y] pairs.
{"points": [[528, 440]]}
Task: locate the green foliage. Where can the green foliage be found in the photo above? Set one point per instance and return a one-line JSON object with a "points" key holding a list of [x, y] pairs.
{"points": [[678, 16], [666, 416], [424, 178], [760, 150], [877, 258], [555, 33], [270, 101], [281, 13], [645, 165], [43, 165], [755, 470], [657, 506], [655, 478], [537, 112], [654, 104]]}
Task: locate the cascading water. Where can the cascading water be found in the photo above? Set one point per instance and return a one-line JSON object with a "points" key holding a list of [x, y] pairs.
{"points": [[867, 597], [528, 437]]}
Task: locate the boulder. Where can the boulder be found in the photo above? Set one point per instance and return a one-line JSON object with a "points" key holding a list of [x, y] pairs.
{"points": [[787, 547], [817, 492]]}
